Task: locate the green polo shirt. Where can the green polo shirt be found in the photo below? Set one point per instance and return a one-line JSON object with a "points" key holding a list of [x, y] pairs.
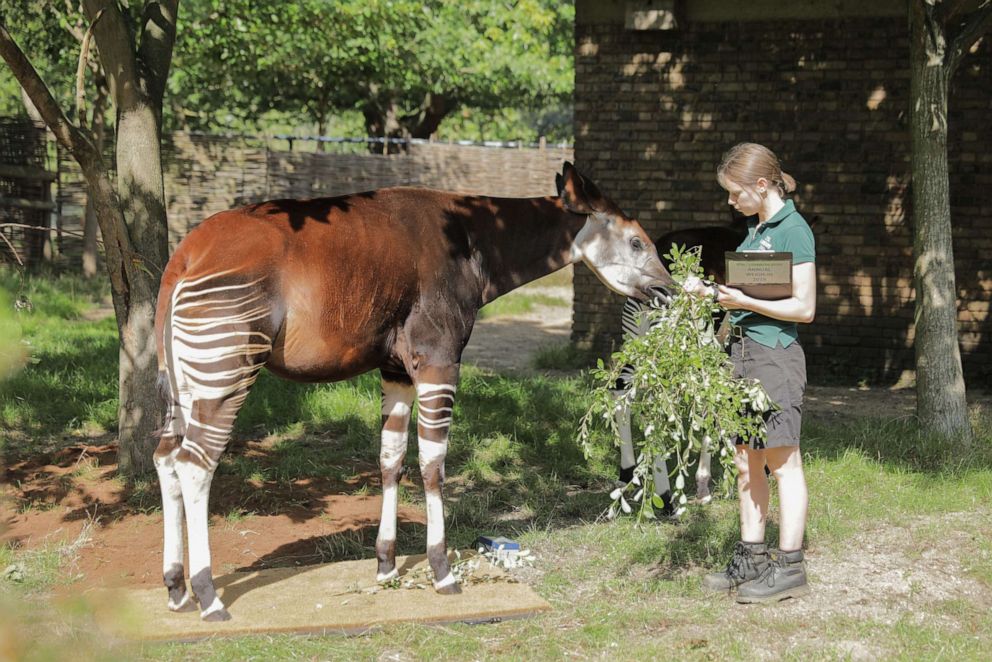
{"points": [[785, 231]]}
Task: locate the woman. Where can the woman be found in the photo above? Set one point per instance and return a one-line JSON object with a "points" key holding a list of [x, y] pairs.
{"points": [[765, 346]]}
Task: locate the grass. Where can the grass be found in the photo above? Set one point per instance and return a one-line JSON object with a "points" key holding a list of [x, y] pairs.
{"points": [[70, 384], [564, 356], [518, 303], [514, 469], [530, 297]]}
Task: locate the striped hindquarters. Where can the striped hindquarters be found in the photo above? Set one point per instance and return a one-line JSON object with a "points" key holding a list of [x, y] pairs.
{"points": [[219, 336]]}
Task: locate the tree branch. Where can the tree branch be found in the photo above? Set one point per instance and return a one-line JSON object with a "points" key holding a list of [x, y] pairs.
{"points": [[158, 36], [68, 135], [12, 249], [435, 108], [116, 48], [975, 25], [84, 52]]}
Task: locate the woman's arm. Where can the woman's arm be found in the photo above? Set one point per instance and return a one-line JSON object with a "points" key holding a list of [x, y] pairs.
{"points": [[800, 307]]}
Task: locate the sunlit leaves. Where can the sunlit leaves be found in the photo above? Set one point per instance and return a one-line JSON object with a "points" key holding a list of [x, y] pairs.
{"points": [[682, 392], [242, 58]]}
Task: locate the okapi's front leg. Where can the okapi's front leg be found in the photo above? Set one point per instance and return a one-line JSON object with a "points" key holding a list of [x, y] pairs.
{"points": [[397, 398], [435, 402], [628, 461]]}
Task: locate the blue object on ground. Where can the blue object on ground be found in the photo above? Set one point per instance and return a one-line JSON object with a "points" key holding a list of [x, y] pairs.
{"points": [[494, 543]]}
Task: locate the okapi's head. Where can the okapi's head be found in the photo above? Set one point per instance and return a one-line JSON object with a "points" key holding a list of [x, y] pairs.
{"points": [[612, 244]]}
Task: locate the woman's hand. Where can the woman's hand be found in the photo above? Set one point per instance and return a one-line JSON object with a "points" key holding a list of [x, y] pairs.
{"points": [[732, 299], [696, 287]]}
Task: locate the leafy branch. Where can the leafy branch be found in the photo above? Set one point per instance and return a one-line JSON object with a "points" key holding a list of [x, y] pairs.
{"points": [[682, 392]]}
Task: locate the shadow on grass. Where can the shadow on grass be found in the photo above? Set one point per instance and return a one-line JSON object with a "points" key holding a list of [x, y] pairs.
{"points": [[70, 381]]}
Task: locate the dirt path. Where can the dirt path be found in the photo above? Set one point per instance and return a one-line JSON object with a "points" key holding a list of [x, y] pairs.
{"points": [[508, 344]]}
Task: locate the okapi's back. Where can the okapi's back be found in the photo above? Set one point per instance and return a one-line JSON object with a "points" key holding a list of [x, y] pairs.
{"points": [[340, 275]]}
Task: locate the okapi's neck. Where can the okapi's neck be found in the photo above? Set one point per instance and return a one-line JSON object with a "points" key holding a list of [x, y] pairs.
{"points": [[520, 240]]}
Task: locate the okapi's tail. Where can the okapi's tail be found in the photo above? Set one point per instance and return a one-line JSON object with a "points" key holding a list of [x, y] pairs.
{"points": [[166, 382]]}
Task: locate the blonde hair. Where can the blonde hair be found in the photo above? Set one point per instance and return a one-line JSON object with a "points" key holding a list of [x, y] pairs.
{"points": [[745, 163]]}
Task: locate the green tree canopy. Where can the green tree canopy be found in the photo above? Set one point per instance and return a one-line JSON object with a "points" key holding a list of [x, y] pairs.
{"points": [[403, 65], [44, 29]]}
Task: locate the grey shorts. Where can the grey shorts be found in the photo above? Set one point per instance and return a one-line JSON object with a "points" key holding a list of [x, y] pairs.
{"points": [[782, 371]]}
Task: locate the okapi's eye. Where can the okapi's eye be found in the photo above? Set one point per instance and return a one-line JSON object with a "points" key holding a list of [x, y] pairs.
{"points": [[636, 244]]}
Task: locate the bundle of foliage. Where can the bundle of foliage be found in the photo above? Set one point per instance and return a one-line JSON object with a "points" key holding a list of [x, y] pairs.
{"points": [[682, 393]]}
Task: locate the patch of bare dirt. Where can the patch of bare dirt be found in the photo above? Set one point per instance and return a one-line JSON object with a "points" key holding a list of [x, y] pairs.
{"points": [[892, 570], [508, 344], [51, 500]]}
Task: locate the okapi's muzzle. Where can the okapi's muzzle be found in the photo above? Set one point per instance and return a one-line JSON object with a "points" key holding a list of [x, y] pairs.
{"points": [[659, 295], [661, 283]]}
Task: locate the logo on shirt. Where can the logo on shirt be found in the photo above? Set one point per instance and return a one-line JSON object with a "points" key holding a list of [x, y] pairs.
{"points": [[766, 244]]}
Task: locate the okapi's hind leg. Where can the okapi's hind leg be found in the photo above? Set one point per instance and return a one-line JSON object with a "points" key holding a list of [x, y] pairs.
{"points": [[435, 402], [219, 335], [397, 398], [209, 430], [172, 509]]}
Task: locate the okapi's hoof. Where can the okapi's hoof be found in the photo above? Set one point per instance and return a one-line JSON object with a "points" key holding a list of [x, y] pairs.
{"points": [[186, 604], [387, 577], [215, 616], [450, 589]]}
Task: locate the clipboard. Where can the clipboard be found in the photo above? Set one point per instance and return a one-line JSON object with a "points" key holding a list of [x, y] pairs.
{"points": [[760, 274]]}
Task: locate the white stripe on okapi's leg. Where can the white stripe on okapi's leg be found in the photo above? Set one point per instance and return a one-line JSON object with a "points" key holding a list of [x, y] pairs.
{"points": [[196, 493], [428, 391], [432, 454], [397, 401], [442, 398]]}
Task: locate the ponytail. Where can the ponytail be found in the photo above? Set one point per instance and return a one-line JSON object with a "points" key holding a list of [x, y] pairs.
{"points": [[746, 163]]}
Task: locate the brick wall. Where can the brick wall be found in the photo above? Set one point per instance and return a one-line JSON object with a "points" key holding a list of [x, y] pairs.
{"points": [[654, 112]]}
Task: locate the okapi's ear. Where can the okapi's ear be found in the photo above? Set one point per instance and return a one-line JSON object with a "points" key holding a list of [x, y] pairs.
{"points": [[559, 184], [573, 190]]}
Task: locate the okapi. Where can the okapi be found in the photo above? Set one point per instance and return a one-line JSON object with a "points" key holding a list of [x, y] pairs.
{"points": [[327, 289], [713, 241]]}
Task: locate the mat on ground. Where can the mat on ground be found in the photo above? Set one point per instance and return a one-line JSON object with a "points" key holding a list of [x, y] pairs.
{"points": [[333, 598]]}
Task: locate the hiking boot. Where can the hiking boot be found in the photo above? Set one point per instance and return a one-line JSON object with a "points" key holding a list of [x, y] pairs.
{"points": [[749, 561], [784, 577]]}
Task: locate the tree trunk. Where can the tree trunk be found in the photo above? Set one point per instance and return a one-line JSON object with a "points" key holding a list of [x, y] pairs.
{"points": [[436, 108], [142, 198], [137, 209], [383, 124], [941, 402], [321, 130]]}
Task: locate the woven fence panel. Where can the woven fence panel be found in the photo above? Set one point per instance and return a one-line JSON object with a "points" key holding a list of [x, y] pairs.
{"points": [[23, 145], [208, 174]]}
